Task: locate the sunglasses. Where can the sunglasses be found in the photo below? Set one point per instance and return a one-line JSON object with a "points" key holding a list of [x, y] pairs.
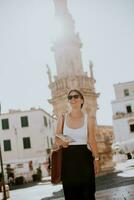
{"points": [[76, 96]]}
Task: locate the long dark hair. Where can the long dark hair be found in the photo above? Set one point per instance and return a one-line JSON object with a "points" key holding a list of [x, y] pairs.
{"points": [[79, 93]]}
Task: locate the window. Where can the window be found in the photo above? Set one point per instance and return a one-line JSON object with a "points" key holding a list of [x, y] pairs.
{"points": [[24, 121], [129, 109], [5, 124], [126, 92], [7, 145], [51, 142], [131, 127], [45, 121], [26, 143]]}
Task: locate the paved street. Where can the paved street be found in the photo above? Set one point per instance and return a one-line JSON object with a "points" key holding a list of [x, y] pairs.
{"points": [[119, 193], [46, 191], [115, 186]]}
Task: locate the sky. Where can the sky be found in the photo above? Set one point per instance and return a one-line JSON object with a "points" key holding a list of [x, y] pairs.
{"points": [[106, 29]]}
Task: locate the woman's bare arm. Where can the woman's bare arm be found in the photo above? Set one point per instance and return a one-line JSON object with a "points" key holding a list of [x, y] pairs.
{"points": [[93, 143], [60, 123], [59, 130], [91, 136]]}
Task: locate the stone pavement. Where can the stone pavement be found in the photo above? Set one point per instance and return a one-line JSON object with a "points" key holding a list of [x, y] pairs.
{"points": [[118, 185], [118, 193], [113, 186]]}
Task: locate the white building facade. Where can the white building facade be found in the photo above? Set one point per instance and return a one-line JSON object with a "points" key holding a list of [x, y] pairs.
{"points": [[123, 115], [26, 138]]}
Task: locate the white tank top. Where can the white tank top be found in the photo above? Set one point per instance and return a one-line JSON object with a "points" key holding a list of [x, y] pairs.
{"points": [[77, 135]]}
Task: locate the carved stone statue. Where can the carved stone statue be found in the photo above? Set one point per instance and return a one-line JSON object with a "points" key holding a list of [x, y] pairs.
{"points": [[49, 73], [91, 69]]}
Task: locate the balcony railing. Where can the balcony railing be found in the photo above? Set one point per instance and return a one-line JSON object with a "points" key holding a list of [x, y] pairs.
{"points": [[120, 115]]}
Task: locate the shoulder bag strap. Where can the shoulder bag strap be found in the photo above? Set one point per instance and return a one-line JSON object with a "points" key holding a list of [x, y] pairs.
{"points": [[63, 120]]}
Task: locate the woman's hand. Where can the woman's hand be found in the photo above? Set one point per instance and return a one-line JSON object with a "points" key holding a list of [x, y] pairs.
{"points": [[59, 142], [97, 167]]}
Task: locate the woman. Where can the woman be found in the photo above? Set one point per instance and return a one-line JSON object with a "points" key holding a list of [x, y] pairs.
{"points": [[80, 161]]}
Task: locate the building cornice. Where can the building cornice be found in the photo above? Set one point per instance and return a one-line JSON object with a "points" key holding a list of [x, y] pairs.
{"points": [[14, 112]]}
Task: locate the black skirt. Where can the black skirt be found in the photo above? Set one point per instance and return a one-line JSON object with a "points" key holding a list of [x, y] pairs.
{"points": [[78, 167]]}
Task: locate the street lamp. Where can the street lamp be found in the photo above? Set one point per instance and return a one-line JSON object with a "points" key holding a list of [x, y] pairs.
{"points": [[2, 171]]}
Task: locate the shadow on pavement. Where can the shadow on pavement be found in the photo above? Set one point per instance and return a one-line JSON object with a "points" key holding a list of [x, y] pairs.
{"points": [[26, 185], [112, 180], [56, 195], [108, 181]]}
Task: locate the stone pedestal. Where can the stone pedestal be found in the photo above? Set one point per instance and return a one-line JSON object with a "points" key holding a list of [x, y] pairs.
{"points": [[105, 137]]}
